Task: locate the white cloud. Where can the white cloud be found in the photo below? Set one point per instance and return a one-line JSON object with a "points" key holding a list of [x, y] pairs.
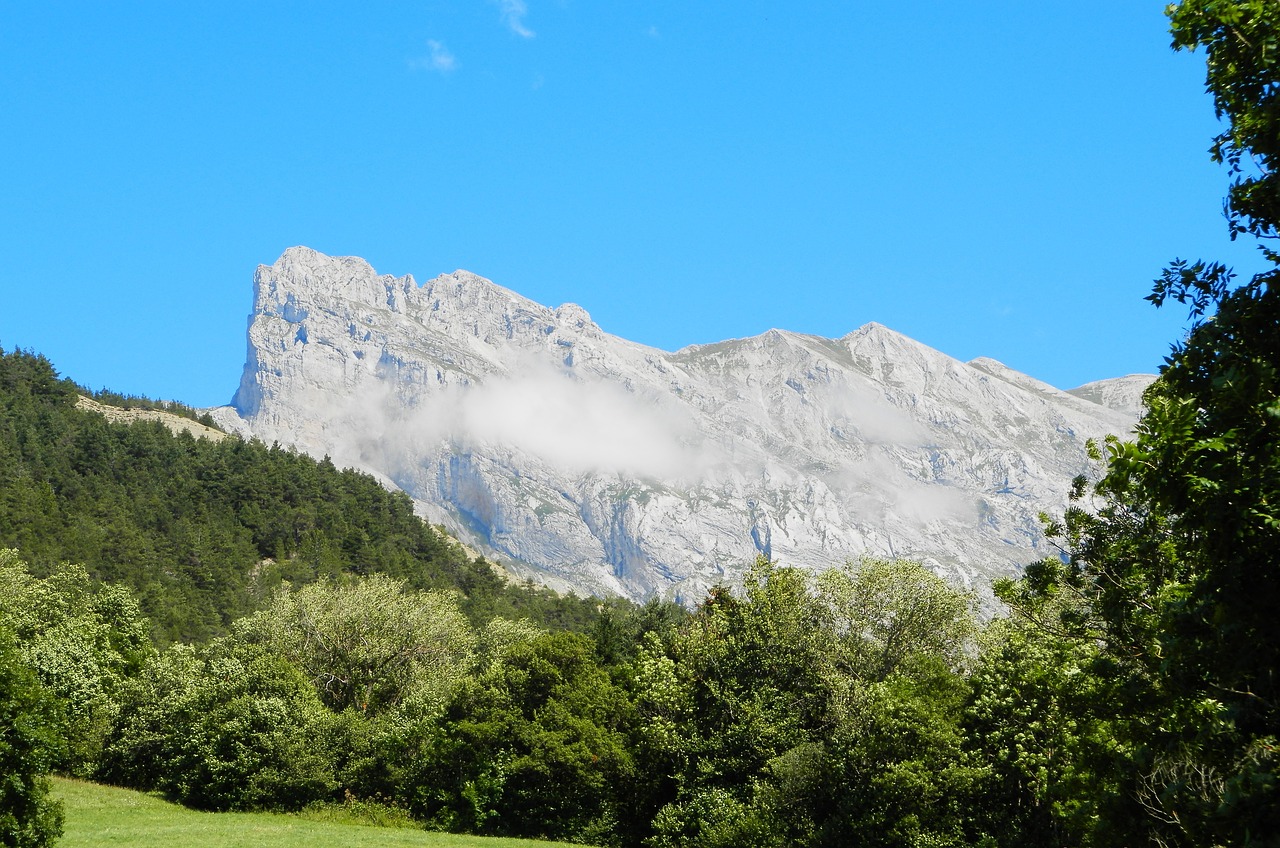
{"points": [[513, 12], [440, 60], [865, 416], [583, 426], [578, 425]]}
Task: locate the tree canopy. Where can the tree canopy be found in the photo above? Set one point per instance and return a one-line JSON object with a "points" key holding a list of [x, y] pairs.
{"points": [[1176, 550], [30, 743]]}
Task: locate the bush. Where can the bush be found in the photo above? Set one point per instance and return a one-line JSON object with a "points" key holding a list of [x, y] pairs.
{"points": [[82, 639], [534, 747], [225, 728], [30, 741]]}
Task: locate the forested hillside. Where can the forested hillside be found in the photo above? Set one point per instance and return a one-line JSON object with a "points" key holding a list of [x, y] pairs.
{"points": [[203, 532]]}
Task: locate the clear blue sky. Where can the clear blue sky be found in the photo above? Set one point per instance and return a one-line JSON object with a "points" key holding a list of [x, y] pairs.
{"points": [[991, 178]]}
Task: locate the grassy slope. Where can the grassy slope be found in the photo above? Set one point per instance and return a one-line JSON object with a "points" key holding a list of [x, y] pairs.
{"points": [[104, 815]]}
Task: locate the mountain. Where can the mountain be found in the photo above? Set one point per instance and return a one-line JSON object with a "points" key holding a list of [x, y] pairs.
{"points": [[588, 461], [1123, 394]]}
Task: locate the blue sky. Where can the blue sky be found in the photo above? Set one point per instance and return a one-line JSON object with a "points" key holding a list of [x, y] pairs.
{"points": [[991, 178]]}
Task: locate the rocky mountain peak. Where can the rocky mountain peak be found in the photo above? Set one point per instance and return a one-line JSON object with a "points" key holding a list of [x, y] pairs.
{"points": [[573, 315], [1122, 394], [592, 462], [307, 275]]}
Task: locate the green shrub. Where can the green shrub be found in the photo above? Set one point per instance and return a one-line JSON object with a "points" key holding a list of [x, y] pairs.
{"points": [[533, 747], [229, 727], [82, 639], [30, 741]]}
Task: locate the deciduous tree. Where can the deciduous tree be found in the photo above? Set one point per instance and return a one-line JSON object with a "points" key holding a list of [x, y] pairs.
{"points": [[30, 742], [1180, 561], [370, 643]]}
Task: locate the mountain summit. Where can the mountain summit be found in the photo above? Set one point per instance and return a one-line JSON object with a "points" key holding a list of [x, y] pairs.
{"points": [[588, 461]]}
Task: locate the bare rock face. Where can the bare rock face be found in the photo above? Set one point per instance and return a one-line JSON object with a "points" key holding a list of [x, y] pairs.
{"points": [[588, 461], [1123, 394]]}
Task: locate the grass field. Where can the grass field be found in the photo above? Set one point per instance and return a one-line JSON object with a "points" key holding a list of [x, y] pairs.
{"points": [[103, 815]]}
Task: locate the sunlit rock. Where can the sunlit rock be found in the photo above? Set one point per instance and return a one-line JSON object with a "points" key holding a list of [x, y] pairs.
{"points": [[586, 460]]}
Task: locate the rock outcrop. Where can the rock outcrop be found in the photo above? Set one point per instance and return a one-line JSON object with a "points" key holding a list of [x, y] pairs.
{"points": [[175, 423], [588, 461]]}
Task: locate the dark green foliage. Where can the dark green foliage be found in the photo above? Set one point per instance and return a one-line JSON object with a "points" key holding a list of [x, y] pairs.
{"points": [[204, 531], [621, 627], [83, 640], [534, 746], [30, 742], [223, 728], [1040, 724], [810, 712], [894, 774], [1207, 462], [1242, 41], [1175, 564], [753, 671]]}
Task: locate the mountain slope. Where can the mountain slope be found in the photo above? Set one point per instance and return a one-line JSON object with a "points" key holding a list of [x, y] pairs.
{"points": [[203, 529], [592, 461], [1123, 394]]}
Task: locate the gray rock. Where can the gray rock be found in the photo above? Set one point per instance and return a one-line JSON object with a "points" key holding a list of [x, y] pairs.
{"points": [[588, 461]]}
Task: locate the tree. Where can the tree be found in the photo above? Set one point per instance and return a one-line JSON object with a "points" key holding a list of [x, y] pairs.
{"points": [[203, 532], [224, 727], [1242, 45], [30, 742], [534, 746], [369, 643], [812, 711], [82, 639], [743, 685], [1039, 723], [1180, 560], [888, 769], [893, 611]]}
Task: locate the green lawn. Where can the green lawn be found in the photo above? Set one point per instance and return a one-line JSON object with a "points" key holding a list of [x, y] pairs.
{"points": [[104, 815]]}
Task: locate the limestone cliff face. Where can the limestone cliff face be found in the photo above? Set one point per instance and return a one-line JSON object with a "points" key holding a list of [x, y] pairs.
{"points": [[589, 461]]}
